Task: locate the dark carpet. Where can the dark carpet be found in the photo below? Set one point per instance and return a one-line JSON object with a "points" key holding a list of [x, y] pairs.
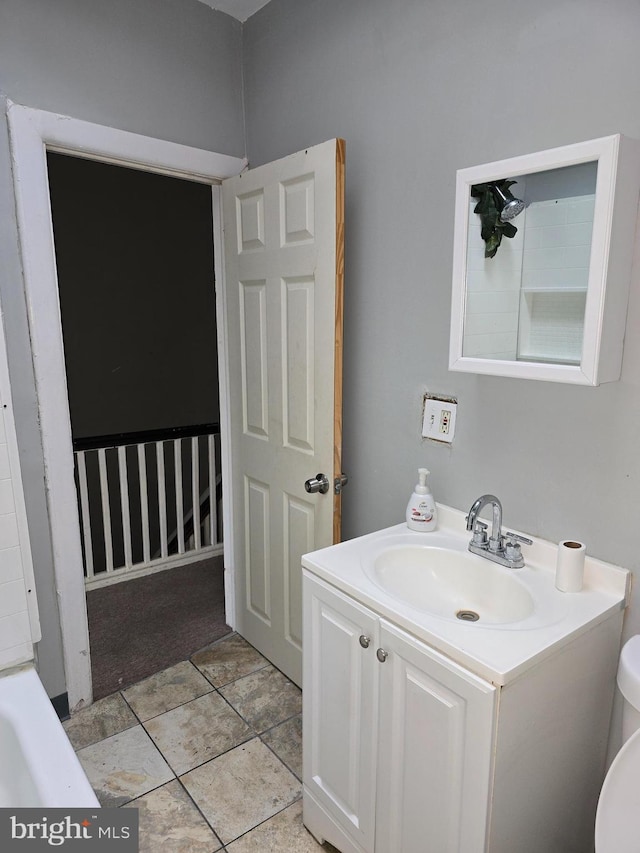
{"points": [[138, 627]]}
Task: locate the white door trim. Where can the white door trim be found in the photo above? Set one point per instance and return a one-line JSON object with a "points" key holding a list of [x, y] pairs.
{"points": [[225, 408], [32, 133]]}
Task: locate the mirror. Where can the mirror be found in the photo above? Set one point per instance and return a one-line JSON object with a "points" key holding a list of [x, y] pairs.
{"points": [[540, 275]]}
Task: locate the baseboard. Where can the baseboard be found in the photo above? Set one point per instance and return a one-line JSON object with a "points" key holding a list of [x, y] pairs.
{"points": [[61, 705]]}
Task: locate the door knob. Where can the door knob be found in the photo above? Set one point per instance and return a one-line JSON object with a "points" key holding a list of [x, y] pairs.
{"points": [[319, 483]]}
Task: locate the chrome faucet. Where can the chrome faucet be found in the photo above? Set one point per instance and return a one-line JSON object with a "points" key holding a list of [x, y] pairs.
{"points": [[504, 549]]}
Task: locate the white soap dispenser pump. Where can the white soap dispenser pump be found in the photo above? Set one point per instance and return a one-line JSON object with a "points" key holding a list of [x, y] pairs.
{"points": [[421, 509]]}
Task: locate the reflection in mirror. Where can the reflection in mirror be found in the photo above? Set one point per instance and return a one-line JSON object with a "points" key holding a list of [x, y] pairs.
{"points": [[527, 301], [550, 302]]}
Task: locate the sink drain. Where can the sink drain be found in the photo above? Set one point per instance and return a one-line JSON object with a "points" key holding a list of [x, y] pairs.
{"points": [[467, 615]]}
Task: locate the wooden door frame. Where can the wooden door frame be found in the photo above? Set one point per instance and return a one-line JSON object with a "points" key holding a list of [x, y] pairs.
{"points": [[32, 133]]}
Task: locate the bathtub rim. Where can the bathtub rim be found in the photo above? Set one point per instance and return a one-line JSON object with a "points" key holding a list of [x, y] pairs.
{"points": [[43, 741]]}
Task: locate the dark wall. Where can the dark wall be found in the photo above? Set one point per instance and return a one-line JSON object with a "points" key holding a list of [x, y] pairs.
{"points": [[134, 253]]}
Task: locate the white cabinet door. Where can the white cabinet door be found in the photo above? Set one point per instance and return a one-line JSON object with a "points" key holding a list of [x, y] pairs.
{"points": [[436, 724], [398, 739], [339, 709]]}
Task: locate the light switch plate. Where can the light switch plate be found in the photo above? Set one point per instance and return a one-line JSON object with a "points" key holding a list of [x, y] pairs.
{"points": [[439, 421]]}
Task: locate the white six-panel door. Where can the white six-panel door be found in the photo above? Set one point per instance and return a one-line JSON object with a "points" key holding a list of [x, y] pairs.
{"points": [[283, 315]]}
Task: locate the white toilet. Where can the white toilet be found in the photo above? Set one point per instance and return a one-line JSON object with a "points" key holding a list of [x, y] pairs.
{"points": [[618, 814]]}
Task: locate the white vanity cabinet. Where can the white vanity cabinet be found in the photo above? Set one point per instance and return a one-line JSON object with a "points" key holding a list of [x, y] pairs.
{"points": [[408, 751], [398, 738]]}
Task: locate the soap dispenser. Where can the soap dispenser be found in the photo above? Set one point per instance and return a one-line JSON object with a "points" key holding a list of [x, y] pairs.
{"points": [[421, 509]]}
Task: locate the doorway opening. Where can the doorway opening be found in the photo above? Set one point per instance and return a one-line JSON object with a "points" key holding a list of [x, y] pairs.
{"points": [[135, 260], [32, 133]]}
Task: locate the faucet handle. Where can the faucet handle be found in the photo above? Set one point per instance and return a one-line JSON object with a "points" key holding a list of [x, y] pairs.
{"points": [[512, 550], [512, 538], [479, 533]]}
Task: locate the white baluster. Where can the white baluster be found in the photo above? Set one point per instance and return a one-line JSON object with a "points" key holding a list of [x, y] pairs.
{"points": [[124, 504], [195, 491], [162, 498], [177, 458], [144, 503], [213, 503], [106, 509], [86, 518]]}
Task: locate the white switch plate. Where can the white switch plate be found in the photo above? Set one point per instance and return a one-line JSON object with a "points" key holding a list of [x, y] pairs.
{"points": [[439, 422]]}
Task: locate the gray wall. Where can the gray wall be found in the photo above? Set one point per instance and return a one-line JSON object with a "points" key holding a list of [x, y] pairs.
{"points": [[164, 68], [418, 90]]}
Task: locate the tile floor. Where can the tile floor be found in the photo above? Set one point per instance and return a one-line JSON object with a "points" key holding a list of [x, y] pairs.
{"points": [[208, 750]]}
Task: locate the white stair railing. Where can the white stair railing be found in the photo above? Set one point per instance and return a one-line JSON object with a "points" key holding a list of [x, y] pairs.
{"points": [[148, 501]]}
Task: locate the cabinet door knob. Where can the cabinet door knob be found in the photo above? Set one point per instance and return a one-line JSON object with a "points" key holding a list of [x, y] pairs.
{"points": [[382, 655], [365, 641]]}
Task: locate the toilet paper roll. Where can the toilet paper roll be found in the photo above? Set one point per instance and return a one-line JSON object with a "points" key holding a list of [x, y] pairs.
{"points": [[570, 565]]}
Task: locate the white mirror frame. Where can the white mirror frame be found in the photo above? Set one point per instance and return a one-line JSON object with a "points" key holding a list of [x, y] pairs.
{"points": [[614, 229]]}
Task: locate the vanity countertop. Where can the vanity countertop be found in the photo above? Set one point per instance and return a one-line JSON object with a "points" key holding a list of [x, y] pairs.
{"points": [[496, 652]]}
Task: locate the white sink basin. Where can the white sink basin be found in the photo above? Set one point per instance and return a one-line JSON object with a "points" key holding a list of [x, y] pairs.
{"points": [[451, 583], [420, 581]]}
